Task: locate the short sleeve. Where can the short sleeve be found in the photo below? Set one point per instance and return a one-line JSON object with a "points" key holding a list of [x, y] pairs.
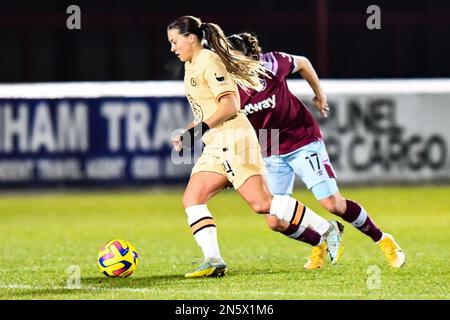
{"points": [[218, 78], [281, 64]]}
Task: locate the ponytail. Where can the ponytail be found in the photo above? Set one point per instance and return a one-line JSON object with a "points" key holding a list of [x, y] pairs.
{"points": [[244, 70]]}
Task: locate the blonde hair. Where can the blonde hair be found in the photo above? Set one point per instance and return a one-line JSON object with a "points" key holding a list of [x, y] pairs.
{"points": [[244, 70]]}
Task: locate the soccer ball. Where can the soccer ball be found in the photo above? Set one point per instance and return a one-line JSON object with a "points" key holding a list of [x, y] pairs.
{"points": [[117, 258]]}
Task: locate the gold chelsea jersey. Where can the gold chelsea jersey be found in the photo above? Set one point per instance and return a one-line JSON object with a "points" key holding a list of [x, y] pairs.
{"points": [[206, 79]]}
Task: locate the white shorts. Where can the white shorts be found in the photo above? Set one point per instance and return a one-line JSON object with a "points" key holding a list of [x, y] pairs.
{"points": [[311, 163]]}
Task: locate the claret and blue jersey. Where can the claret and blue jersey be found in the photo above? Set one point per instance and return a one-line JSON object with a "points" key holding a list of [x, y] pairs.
{"points": [[276, 108]]}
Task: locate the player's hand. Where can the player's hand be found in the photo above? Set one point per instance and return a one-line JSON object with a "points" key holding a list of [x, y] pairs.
{"points": [[193, 134], [176, 142], [322, 105]]}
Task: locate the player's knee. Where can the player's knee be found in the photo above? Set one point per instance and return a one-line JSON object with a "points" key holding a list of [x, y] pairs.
{"points": [[275, 225], [261, 206], [186, 201], [192, 200]]}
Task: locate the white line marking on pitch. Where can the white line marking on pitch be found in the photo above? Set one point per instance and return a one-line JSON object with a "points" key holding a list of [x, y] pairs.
{"points": [[190, 291]]}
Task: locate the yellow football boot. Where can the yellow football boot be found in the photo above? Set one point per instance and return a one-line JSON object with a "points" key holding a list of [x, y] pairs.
{"points": [[394, 254], [209, 268], [318, 253]]}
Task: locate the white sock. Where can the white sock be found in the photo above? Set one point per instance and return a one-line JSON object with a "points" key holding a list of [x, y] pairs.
{"points": [[283, 207], [203, 227], [315, 222], [288, 209]]}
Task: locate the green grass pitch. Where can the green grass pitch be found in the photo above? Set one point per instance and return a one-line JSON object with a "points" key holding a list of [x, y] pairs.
{"points": [[43, 234]]}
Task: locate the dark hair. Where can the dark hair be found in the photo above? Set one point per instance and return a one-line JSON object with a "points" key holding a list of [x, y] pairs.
{"points": [[247, 43], [188, 25], [245, 71]]}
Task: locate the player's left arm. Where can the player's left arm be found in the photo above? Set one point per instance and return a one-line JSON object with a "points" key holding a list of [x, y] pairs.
{"points": [[303, 66]]}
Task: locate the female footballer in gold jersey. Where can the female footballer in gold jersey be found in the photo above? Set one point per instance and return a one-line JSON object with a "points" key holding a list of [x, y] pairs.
{"points": [[231, 153]]}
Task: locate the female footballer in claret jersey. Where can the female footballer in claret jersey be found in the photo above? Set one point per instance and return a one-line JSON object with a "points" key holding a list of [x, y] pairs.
{"points": [[301, 150], [231, 154]]}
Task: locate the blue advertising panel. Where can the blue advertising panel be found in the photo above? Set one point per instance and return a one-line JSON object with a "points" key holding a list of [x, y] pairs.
{"points": [[91, 141]]}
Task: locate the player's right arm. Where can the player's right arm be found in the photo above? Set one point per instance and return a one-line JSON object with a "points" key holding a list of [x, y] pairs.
{"points": [[177, 139], [223, 100], [227, 107]]}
